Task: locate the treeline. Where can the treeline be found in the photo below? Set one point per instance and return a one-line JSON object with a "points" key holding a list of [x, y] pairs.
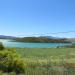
{"points": [[41, 40]]}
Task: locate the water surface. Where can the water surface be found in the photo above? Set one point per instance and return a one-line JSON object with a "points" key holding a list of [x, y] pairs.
{"points": [[9, 43]]}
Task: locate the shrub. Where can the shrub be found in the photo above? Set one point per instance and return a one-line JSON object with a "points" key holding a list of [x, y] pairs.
{"points": [[1, 46], [10, 61], [11, 73]]}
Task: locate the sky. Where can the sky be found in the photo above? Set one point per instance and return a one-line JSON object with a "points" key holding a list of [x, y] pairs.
{"points": [[37, 17]]}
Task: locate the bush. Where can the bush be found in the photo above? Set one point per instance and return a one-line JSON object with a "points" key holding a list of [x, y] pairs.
{"points": [[10, 61], [1, 46], [11, 73]]}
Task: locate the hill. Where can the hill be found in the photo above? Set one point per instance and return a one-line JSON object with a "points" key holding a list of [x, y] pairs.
{"points": [[71, 39], [51, 37], [41, 40], [7, 37]]}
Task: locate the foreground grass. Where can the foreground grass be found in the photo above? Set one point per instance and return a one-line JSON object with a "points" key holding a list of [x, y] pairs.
{"points": [[49, 61], [46, 61], [50, 54]]}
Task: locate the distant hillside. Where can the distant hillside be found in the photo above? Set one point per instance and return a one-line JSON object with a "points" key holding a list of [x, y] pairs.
{"points": [[40, 40], [71, 39], [6, 37], [51, 37]]}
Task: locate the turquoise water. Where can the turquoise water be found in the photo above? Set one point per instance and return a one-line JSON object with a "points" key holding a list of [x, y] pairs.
{"points": [[9, 43]]}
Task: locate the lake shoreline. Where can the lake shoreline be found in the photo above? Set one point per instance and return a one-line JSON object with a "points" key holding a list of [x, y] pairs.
{"points": [[9, 43]]}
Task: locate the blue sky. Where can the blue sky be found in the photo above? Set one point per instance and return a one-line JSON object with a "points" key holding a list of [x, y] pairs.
{"points": [[29, 17]]}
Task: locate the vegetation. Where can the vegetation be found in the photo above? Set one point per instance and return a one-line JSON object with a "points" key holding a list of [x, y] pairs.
{"points": [[40, 40], [49, 61], [67, 46], [1, 46], [37, 61], [10, 61]]}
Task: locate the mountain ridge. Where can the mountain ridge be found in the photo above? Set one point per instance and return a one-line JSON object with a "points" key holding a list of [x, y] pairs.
{"points": [[7, 37]]}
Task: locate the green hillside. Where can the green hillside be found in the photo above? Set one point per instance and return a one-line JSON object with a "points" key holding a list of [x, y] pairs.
{"points": [[40, 40]]}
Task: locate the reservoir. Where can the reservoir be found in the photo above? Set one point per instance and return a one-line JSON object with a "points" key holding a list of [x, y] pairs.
{"points": [[9, 43]]}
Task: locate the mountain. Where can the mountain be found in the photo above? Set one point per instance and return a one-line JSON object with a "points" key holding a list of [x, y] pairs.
{"points": [[71, 39], [51, 37], [40, 40], [7, 37]]}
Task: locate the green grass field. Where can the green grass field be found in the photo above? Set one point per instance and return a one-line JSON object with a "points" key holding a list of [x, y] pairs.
{"points": [[49, 61], [47, 54], [37, 61]]}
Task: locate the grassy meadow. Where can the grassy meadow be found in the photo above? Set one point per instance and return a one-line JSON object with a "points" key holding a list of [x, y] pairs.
{"points": [[37, 61], [47, 54], [48, 61]]}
